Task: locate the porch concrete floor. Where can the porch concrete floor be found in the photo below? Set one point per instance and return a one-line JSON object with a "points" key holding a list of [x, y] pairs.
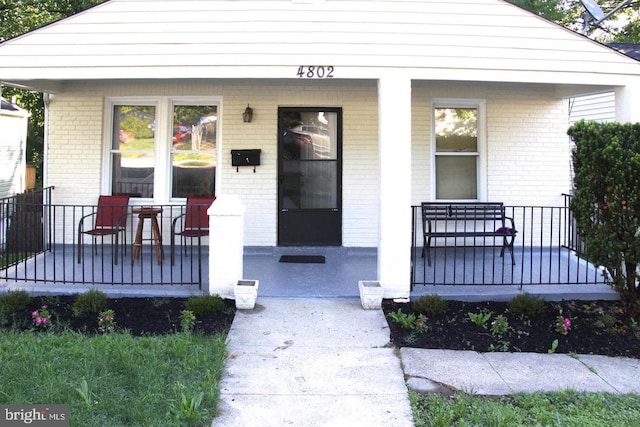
{"points": [[337, 278]]}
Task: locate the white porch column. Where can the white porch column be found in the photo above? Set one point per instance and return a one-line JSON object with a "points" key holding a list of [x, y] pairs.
{"points": [[394, 136], [226, 245], [628, 102]]}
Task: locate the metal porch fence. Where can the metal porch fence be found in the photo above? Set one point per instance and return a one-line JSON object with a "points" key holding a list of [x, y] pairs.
{"points": [[547, 251], [39, 243]]}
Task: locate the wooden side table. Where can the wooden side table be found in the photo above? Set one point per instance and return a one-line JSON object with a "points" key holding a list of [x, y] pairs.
{"points": [[156, 237]]}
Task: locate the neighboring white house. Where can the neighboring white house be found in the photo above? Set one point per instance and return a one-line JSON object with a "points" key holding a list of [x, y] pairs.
{"points": [[13, 148], [359, 109]]}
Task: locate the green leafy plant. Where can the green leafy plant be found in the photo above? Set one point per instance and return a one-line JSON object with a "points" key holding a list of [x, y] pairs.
{"points": [[502, 346], [410, 321], [499, 326], [480, 319], [554, 346], [41, 318], [204, 304], [187, 407], [527, 305], [90, 302], [85, 394], [187, 320], [107, 321], [14, 302], [430, 305]]}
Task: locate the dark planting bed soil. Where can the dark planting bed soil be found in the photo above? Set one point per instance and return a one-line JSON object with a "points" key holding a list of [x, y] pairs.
{"points": [[139, 316], [597, 327]]}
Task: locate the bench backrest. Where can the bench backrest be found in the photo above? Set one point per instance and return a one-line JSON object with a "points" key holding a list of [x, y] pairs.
{"points": [[445, 211]]}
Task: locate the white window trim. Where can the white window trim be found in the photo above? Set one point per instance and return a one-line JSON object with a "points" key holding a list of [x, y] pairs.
{"points": [[164, 128], [480, 104]]}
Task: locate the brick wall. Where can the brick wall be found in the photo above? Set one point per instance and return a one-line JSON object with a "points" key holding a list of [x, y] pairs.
{"points": [[527, 151]]}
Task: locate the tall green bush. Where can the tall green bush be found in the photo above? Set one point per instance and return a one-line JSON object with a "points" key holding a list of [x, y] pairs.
{"points": [[606, 202]]}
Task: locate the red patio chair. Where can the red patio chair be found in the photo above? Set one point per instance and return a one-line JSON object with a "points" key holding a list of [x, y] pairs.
{"points": [[194, 222], [111, 220]]}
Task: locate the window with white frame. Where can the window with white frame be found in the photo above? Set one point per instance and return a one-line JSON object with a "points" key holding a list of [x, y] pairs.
{"points": [[457, 148], [162, 148]]}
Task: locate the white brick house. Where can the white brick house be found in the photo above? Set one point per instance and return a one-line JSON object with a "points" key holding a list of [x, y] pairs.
{"points": [[389, 75]]}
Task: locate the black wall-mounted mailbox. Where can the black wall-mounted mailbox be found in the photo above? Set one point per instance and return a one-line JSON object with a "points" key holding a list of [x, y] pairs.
{"points": [[245, 158]]}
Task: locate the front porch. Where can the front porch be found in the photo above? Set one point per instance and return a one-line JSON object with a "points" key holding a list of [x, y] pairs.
{"points": [[49, 261]]}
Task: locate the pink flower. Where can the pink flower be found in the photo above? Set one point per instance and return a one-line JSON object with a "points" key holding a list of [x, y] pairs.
{"points": [[35, 313]]}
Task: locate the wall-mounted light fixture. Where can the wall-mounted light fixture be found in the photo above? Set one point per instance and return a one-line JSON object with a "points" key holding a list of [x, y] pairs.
{"points": [[247, 116]]}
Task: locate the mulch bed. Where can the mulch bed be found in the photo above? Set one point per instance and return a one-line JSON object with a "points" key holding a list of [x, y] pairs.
{"points": [[139, 316], [597, 327]]}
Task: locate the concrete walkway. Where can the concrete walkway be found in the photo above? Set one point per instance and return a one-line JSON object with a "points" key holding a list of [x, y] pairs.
{"points": [[328, 362], [312, 362], [496, 374]]}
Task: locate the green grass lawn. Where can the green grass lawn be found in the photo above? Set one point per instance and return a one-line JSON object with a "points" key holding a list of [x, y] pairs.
{"points": [[115, 379], [565, 408]]}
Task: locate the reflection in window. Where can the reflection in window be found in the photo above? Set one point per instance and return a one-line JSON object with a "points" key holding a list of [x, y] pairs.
{"points": [[457, 154], [193, 153], [133, 150], [310, 160]]}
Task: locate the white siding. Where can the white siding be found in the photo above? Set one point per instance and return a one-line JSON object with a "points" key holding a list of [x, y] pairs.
{"points": [[13, 141], [208, 38], [600, 107]]}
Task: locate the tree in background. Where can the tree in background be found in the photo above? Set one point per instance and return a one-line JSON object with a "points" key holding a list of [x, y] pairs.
{"points": [[606, 201], [622, 27], [18, 17]]}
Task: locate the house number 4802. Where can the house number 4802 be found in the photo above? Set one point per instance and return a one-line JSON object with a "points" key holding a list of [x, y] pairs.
{"points": [[315, 72]]}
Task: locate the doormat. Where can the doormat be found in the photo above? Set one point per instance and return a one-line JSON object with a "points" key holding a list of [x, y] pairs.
{"points": [[303, 259]]}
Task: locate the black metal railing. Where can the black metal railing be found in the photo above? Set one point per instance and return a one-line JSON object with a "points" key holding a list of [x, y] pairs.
{"points": [[546, 251], [574, 241], [23, 231], [41, 243]]}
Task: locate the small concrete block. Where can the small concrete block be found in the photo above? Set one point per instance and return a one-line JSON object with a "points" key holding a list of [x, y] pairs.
{"points": [[246, 293], [371, 293]]}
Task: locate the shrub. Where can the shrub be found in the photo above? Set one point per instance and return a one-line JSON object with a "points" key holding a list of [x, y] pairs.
{"points": [[430, 305], [204, 304], [90, 302], [14, 302], [527, 305], [606, 201]]}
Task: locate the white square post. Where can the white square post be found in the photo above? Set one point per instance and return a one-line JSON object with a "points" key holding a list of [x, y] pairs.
{"points": [[394, 134], [226, 245]]}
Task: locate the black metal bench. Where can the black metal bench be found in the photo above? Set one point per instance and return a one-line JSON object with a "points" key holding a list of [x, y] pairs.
{"points": [[467, 220]]}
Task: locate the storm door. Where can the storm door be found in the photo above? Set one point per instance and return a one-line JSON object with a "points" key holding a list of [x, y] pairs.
{"points": [[309, 176]]}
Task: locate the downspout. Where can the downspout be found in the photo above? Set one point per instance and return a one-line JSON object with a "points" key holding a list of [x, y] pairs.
{"points": [[46, 98]]}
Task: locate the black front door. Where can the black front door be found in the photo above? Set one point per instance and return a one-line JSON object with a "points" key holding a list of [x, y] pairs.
{"points": [[309, 176]]}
